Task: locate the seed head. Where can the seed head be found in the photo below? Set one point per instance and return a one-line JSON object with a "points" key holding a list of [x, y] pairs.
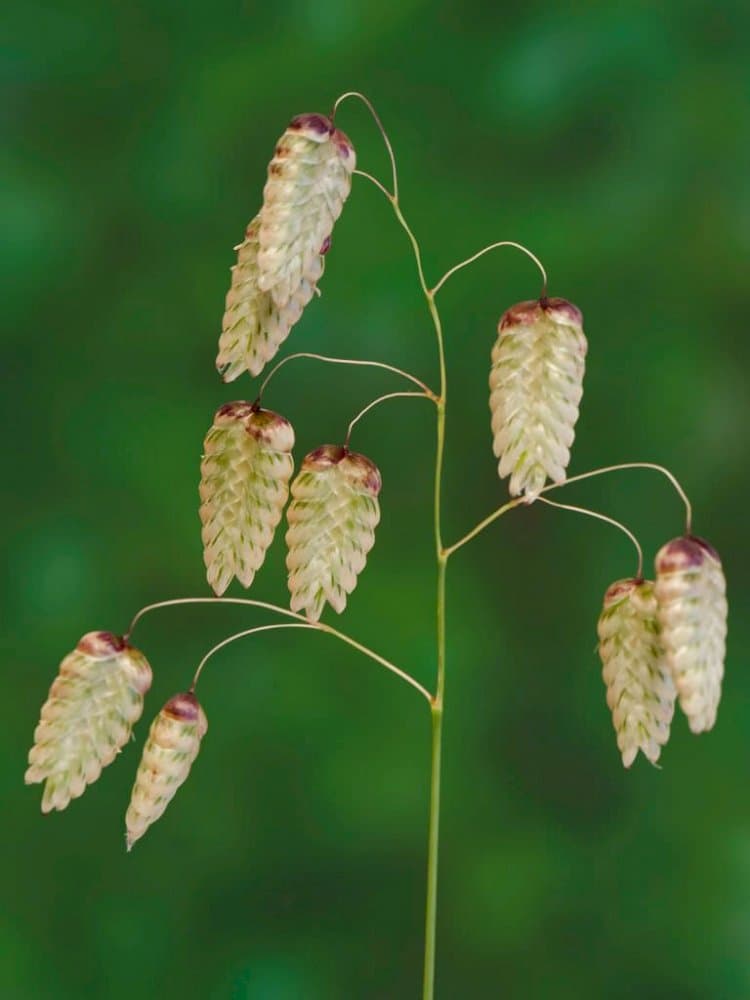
{"points": [[332, 520], [536, 383], [245, 473], [92, 706], [691, 594], [309, 179], [254, 327], [172, 745], [640, 691]]}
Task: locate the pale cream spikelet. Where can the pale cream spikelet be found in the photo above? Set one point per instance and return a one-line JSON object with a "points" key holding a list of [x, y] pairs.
{"points": [[245, 473], [536, 384], [172, 745], [92, 706], [309, 179], [691, 595], [640, 691], [332, 520], [254, 327]]}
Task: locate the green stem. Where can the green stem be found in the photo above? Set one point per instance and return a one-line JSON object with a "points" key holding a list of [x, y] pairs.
{"points": [[433, 839], [428, 982], [433, 842]]}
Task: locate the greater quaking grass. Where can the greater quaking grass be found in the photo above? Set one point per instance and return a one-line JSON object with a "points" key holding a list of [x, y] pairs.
{"points": [[660, 642]]}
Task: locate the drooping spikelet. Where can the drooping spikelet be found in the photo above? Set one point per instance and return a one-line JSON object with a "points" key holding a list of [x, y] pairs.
{"points": [[640, 692], [309, 179], [172, 745], [691, 594], [332, 520], [92, 706], [536, 383], [245, 473], [254, 326]]}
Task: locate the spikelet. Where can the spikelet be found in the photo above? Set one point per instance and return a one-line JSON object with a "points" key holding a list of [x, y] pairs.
{"points": [[309, 179], [332, 520], [245, 473], [254, 327], [92, 706], [640, 691], [172, 745], [536, 383], [690, 590]]}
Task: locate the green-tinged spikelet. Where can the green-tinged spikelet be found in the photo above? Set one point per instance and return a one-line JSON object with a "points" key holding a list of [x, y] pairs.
{"points": [[92, 706], [309, 179], [640, 692], [245, 473], [332, 520], [536, 383], [691, 595], [254, 327], [172, 745]]}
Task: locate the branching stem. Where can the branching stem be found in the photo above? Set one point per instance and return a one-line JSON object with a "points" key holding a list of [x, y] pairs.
{"points": [[481, 253], [637, 465], [344, 361], [485, 523], [521, 501], [376, 182], [265, 606], [378, 401], [361, 97], [607, 520], [240, 635]]}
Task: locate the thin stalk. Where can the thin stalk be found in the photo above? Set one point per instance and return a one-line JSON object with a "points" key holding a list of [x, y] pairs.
{"points": [[376, 182], [607, 520], [636, 465], [240, 635], [522, 501], [378, 659], [343, 361], [481, 253], [319, 626], [484, 523], [368, 104], [377, 402]]}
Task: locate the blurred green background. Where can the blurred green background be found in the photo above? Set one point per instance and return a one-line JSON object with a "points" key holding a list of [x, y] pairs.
{"points": [[613, 140]]}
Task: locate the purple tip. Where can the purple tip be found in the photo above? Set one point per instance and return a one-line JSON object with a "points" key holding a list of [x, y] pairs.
{"points": [[184, 707], [312, 123], [101, 644], [681, 553], [620, 589], [234, 411]]}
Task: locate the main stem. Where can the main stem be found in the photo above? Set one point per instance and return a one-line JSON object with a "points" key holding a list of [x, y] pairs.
{"points": [[433, 841]]}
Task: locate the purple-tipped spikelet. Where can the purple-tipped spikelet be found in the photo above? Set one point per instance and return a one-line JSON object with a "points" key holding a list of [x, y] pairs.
{"points": [[536, 383], [691, 595], [254, 327], [309, 179], [245, 473], [172, 745], [640, 691], [89, 714], [332, 520]]}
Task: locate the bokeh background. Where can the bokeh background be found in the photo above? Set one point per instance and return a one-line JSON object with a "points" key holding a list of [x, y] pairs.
{"points": [[613, 140]]}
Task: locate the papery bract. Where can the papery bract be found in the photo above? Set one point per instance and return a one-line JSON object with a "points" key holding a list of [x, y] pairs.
{"points": [[536, 383], [245, 473], [332, 520]]}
